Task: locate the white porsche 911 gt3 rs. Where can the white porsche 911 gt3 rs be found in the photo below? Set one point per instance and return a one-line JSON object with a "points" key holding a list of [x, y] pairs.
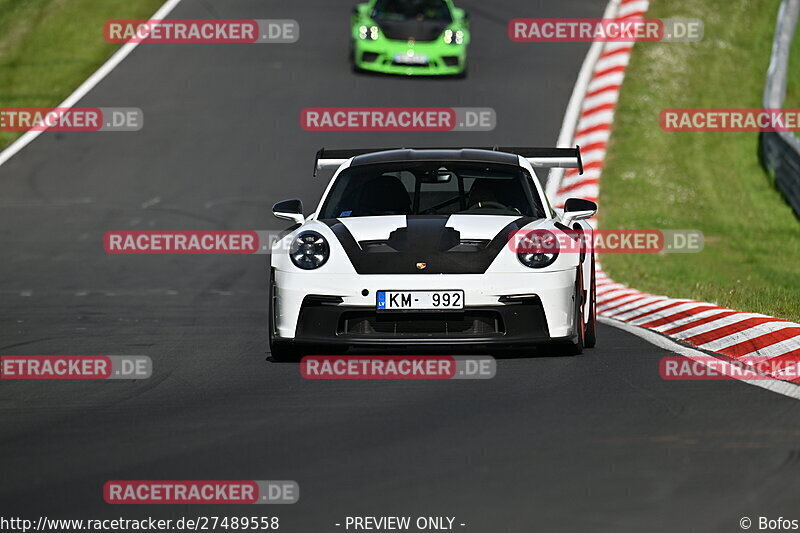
{"points": [[412, 248]]}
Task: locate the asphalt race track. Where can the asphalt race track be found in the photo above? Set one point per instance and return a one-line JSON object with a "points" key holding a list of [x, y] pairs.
{"points": [[595, 442]]}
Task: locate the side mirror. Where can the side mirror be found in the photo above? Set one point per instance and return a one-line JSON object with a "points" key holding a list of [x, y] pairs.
{"points": [[578, 209], [289, 210]]}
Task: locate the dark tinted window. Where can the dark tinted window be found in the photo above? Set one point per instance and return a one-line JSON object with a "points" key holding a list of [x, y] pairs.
{"points": [[412, 9], [432, 188]]}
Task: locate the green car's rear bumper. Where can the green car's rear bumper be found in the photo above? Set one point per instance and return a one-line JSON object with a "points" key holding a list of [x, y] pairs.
{"points": [[382, 56]]}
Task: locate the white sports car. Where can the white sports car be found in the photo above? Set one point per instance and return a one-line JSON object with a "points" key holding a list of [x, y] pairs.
{"points": [[413, 248]]}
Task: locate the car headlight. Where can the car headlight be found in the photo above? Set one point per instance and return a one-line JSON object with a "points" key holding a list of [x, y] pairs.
{"points": [[369, 33], [309, 250], [537, 249], [453, 37]]}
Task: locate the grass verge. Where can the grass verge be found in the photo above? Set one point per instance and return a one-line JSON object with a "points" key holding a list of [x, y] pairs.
{"points": [[49, 47], [707, 181]]}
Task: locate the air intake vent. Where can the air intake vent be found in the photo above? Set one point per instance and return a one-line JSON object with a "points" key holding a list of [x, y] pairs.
{"points": [[422, 325]]}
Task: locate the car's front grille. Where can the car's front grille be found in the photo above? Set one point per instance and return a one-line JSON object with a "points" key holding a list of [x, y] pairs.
{"points": [[413, 65], [421, 324], [463, 245]]}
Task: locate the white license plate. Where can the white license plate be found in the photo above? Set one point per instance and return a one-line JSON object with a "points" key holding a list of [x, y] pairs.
{"points": [[405, 59], [416, 300]]}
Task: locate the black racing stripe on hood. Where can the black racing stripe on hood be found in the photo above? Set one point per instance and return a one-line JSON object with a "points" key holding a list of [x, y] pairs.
{"points": [[416, 30], [424, 239]]}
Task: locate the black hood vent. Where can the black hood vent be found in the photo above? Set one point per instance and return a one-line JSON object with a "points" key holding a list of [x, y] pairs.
{"points": [[416, 30], [425, 239]]}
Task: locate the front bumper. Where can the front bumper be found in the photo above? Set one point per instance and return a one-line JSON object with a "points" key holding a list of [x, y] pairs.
{"points": [[507, 309], [520, 322], [442, 60]]}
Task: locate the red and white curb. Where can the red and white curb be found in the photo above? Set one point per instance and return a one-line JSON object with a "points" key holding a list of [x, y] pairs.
{"points": [[701, 325], [705, 326]]}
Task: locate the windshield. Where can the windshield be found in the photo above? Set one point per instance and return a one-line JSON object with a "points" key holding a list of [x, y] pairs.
{"points": [[432, 188], [411, 9]]}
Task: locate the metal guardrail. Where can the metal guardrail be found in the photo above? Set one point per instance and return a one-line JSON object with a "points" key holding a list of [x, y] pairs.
{"points": [[780, 151]]}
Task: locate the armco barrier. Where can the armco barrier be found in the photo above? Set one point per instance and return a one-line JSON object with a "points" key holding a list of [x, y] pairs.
{"points": [[780, 151]]}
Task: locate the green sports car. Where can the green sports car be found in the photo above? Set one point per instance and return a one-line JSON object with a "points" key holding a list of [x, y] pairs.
{"points": [[410, 37]]}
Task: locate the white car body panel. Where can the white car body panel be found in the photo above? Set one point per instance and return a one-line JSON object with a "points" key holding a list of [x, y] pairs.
{"points": [[555, 289]]}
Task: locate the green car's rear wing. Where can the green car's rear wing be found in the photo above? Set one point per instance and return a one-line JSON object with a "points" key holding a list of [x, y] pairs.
{"points": [[537, 157]]}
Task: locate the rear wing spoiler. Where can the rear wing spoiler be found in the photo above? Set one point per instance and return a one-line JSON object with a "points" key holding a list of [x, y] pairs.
{"points": [[335, 158], [537, 157]]}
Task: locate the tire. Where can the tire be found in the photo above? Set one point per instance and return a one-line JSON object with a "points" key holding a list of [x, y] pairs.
{"points": [[284, 353], [590, 337], [354, 68], [280, 351], [575, 347]]}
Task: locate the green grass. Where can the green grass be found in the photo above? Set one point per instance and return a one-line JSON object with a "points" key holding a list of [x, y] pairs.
{"points": [[49, 47], [707, 181]]}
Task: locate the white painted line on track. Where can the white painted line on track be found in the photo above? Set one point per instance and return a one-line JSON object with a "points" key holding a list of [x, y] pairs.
{"points": [[87, 85]]}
